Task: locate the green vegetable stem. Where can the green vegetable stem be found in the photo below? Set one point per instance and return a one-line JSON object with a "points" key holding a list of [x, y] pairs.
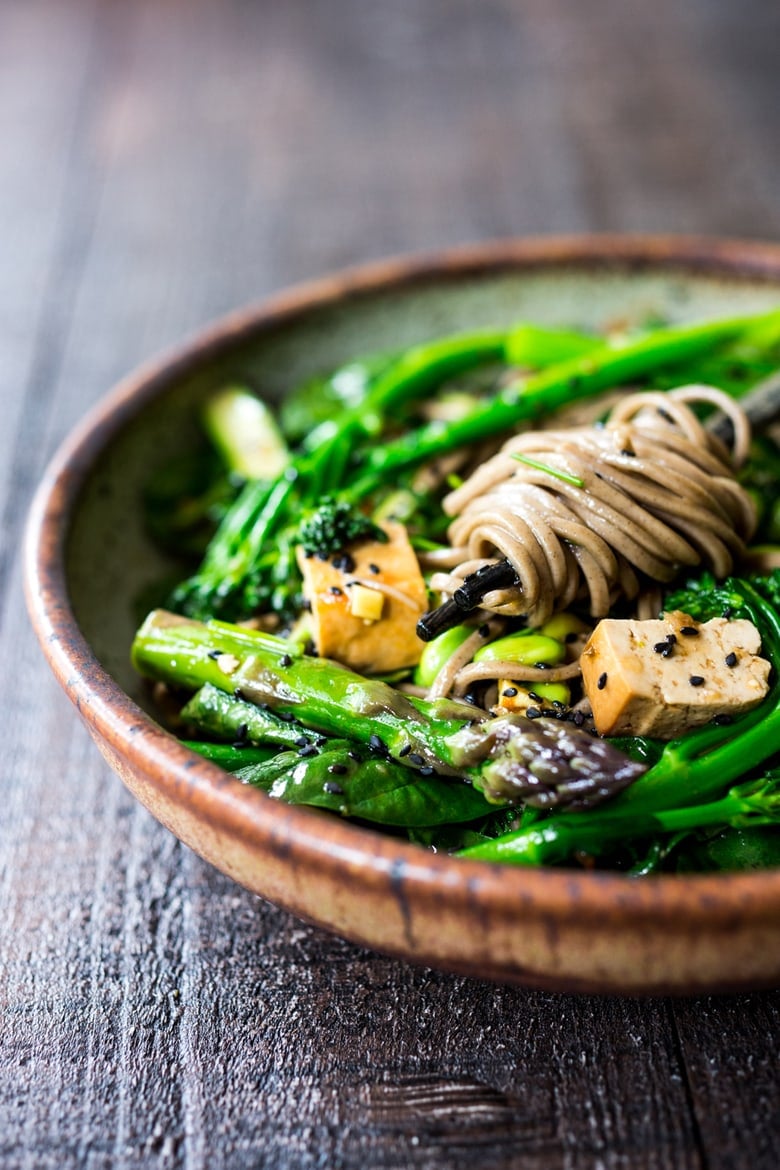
{"points": [[747, 805], [580, 377]]}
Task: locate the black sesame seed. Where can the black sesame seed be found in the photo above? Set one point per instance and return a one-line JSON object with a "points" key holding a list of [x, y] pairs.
{"points": [[338, 769], [542, 665], [696, 680], [336, 590], [602, 681], [285, 716], [728, 611], [239, 744], [376, 745], [307, 752], [668, 650], [571, 637], [321, 740], [578, 718], [344, 562], [405, 750], [242, 731], [661, 647], [722, 720], [532, 712], [285, 660], [302, 741], [731, 659], [484, 631], [671, 639], [509, 692], [416, 759], [533, 695], [689, 631], [372, 568], [354, 755], [213, 653], [332, 788], [426, 771], [238, 693]]}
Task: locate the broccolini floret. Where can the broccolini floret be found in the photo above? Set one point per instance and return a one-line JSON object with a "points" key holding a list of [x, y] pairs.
{"points": [[334, 526]]}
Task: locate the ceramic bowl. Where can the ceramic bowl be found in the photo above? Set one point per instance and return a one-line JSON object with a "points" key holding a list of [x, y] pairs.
{"points": [[89, 561]]}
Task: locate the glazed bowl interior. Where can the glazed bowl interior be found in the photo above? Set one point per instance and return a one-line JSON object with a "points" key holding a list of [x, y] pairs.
{"points": [[90, 554]]}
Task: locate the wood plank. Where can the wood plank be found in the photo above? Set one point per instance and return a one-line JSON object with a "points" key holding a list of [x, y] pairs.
{"points": [[729, 1046], [42, 104]]}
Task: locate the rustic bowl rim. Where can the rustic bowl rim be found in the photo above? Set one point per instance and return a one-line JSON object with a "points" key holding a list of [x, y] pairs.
{"points": [[331, 845]]}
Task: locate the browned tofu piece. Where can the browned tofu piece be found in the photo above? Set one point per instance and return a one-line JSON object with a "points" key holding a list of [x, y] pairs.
{"points": [[367, 644], [661, 678]]}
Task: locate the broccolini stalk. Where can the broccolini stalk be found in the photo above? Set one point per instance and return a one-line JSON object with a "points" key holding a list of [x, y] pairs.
{"points": [[535, 347], [265, 509], [511, 759], [753, 804], [580, 377], [246, 434]]}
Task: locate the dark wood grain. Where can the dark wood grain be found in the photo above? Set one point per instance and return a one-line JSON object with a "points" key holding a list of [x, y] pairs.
{"points": [[161, 162]]}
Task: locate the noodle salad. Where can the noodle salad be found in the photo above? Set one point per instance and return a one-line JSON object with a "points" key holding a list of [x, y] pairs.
{"points": [[513, 595]]}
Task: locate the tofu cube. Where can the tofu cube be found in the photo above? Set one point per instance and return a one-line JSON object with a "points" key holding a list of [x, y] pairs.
{"points": [[366, 617], [662, 678]]}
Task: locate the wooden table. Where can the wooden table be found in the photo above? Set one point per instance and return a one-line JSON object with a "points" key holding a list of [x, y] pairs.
{"points": [[161, 162]]}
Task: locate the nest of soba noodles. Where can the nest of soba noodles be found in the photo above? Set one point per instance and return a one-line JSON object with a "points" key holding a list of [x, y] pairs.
{"points": [[596, 513]]}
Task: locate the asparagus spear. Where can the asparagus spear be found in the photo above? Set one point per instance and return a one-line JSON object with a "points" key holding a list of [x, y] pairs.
{"points": [[543, 762], [324, 772]]}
